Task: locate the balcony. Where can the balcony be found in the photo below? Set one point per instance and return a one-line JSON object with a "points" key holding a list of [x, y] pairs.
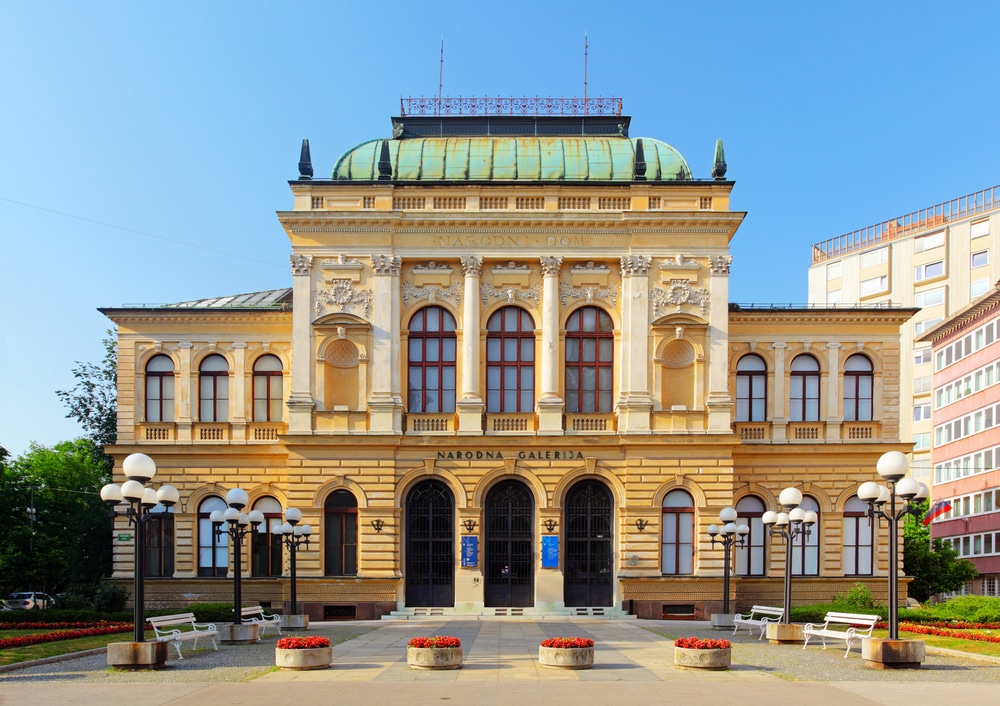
{"points": [[430, 424], [211, 431], [156, 431], [860, 431], [590, 423], [505, 424], [806, 431], [753, 432], [265, 432]]}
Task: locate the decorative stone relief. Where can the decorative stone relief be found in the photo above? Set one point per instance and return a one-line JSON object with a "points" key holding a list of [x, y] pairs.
{"points": [[472, 265], [635, 265], [412, 292], [341, 259], [301, 264], [719, 264], [342, 293], [678, 293], [509, 293], [566, 292], [387, 264], [550, 266], [342, 267], [341, 354]]}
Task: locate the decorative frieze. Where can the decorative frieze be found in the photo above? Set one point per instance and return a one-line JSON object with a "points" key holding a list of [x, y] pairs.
{"points": [[342, 293], [590, 274], [567, 292], [634, 265], [487, 290], [341, 267], [387, 264], [432, 273], [412, 292], [678, 293], [719, 265], [301, 264]]}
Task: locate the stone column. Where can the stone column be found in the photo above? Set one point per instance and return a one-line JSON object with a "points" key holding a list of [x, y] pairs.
{"points": [[300, 400], [779, 417], [550, 403], [720, 404], [470, 406], [833, 418], [635, 406], [385, 406]]}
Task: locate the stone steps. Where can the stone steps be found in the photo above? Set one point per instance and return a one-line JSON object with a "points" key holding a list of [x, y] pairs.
{"points": [[528, 613]]}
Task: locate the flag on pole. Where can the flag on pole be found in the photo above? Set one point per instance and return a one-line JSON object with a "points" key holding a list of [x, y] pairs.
{"points": [[939, 508]]}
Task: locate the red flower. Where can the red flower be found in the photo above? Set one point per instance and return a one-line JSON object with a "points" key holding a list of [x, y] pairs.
{"points": [[436, 641], [302, 643], [101, 628], [564, 643], [696, 643]]}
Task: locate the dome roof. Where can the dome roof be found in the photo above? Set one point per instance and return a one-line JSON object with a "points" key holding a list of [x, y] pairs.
{"points": [[514, 159]]}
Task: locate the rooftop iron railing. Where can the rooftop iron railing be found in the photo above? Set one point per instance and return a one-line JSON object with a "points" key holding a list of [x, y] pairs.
{"points": [[956, 209], [509, 106]]}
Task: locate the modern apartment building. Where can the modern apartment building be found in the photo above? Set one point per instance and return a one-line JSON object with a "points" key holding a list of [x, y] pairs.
{"points": [[937, 259], [966, 435]]}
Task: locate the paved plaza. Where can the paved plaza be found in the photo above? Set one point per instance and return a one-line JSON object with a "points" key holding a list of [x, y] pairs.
{"points": [[633, 664]]}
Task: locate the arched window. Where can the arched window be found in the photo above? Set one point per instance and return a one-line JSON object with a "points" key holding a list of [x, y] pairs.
{"points": [[677, 555], [859, 381], [804, 389], [805, 550], [213, 384], [751, 389], [590, 341], [750, 557], [158, 541], [431, 375], [213, 552], [858, 538], [265, 549], [267, 389], [160, 389], [510, 361], [340, 536]]}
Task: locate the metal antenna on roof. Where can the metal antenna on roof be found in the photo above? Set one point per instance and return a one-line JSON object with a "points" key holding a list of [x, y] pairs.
{"points": [[440, 78], [585, 47]]}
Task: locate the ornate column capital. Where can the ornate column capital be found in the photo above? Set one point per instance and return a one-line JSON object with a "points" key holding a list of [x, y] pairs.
{"points": [[550, 266], [472, 265], [635, 265], [301, 264], [387, 264], [719, 265]]}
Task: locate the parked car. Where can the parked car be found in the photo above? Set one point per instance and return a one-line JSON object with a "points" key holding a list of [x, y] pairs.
{"points": [[26, 600]]}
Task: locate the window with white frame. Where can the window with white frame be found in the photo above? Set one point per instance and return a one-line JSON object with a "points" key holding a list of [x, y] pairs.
{"points": [[979, 228], [921, 412], [928, 271], [922, 384], [834, 271], [929, 297], [978, 288], [875, 257], [981, 258], [921, 442], [928, 242], [874, 285], [833, 297], [921, 326], [921, 356]]}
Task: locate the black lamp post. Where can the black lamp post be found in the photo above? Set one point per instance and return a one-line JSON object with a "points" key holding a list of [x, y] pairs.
{"points": [[135, 501], [293, 536], [728, 534], [240, 525], [788, 525], [892, 467]]}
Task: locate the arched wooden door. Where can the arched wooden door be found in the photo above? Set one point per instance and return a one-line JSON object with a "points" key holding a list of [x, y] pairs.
{"points": [[510, 566], [430, 546], [587, 568]]}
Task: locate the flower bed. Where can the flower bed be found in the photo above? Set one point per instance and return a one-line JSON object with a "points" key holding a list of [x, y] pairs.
{"points": [[302, 643], [566, 653], [943, 632], [437, 652], [563, 643], [55, 636], [436, 641]]}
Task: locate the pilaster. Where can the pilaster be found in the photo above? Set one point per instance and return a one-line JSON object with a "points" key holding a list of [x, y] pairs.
{"points": [[470, 406], [550, 403], [720, 404], [635, 405], [300, 400], [779, 418], [385, 406], [832, 416]]}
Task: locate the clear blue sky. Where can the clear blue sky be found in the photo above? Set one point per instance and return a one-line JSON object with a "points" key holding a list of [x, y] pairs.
{"points": [[145, 146]]}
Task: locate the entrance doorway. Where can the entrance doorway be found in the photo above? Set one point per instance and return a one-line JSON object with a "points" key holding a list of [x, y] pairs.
{"points": [[587, 569], [510, 566], [430, 546]]}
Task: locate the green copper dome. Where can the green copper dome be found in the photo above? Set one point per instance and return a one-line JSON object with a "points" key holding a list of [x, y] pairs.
{"points": [[522, 159]]}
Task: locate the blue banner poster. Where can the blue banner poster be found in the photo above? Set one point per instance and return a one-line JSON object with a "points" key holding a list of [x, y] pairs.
{"points": [[550, 551], [470, 550]]}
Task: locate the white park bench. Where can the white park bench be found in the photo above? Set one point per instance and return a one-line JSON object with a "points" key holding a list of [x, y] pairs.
{"points": [[759, 616], [256, 614], [175, 629], [851, 627]]}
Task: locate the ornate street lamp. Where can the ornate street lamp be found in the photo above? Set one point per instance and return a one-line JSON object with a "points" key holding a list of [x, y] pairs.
{"points": [[134, 501], [293, 536], [788, 525], [728, 534], [892, 467], [239, 525]]}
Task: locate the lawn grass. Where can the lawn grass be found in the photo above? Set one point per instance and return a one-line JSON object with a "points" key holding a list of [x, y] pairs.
{"points": [[991, 649], [13, 655]]}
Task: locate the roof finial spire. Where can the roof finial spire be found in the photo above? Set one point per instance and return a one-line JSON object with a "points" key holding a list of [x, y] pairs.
{"points": [[305, 162], [719, 169]]}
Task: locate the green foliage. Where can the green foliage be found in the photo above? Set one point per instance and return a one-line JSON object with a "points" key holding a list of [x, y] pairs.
{"points": [[935, 568], [210, 612], [93, 401], [974, 609], [110, 598], [858, 597]]}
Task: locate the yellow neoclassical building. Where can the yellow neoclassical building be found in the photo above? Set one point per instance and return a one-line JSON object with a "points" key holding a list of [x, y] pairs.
{"points": [[506, 379]]}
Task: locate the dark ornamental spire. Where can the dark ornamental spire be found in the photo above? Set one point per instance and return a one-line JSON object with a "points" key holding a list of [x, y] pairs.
{"points": [[305, 162], [639, 170], [719, 170], [384, 165]]}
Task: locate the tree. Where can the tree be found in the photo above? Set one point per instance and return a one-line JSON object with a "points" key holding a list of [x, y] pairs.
{"points": [[68, 543], [93, 401], [935, 568]]}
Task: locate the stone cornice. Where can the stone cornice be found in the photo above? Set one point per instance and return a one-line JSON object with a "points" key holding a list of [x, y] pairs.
{"points": [[195, 316]]}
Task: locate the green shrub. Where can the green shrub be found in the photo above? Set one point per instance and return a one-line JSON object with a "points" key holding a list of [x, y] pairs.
{"points": [[858, 597], [110, 598]]}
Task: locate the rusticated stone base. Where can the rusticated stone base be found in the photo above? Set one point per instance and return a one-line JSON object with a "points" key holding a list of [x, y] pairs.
{"points": [[566, 657], [702, 659], [311, 658], [295, 622], [137, 655], [881, 653], [233, 634], [785, 634], [434, 657]]}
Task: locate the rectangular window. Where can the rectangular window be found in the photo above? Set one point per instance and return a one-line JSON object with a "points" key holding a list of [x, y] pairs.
{"points": [[921, 326], [928, 242], [834, 270], [833, 297], [875, 257], [928, 271], [921, 356], [921, 412], [981, 258], [930, 297], [874, 285], [978, 288], [979, 228], [921, 441], [922, 384]]}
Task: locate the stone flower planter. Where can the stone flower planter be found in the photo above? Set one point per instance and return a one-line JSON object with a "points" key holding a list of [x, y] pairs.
{"points": [[702, 659], [434, 657], [566, 657], [310, 658]]}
